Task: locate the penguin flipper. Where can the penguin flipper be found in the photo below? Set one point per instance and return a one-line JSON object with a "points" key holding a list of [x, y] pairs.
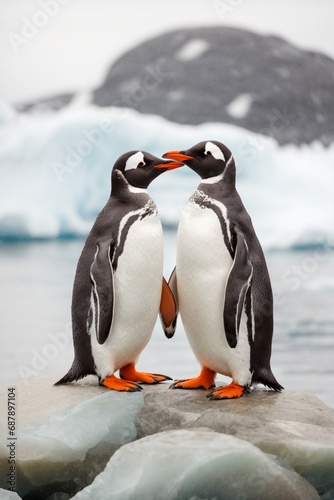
{"points": [[237, 285], [169, 305], [103, 297]]}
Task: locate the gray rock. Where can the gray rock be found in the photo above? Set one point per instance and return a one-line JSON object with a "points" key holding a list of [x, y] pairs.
{"points": [[46, 104], [296, 427], [221, 74]]}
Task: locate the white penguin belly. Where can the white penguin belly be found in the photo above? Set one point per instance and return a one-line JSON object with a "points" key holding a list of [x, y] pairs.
{"points": [[137, 288], [203, 266]]}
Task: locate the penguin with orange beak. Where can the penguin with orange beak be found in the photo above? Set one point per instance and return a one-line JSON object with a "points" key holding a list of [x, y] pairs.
{"points": [[119, 288], [221, 283]]}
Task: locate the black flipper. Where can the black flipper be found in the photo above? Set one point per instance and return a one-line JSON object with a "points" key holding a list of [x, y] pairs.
{"points": [[237, 285], [169, 305], [101, 275]]}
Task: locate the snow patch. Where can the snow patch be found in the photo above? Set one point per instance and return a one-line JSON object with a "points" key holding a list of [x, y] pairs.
{"points": [[194, 49], [176, 95], [240, 106]]}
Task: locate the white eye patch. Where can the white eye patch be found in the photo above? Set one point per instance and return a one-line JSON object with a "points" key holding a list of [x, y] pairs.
{"points": [[214, 150], [134, 160]]}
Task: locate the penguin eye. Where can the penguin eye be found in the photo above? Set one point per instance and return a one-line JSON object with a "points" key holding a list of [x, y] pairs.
{"points": [[141, 164], [207, 153]]}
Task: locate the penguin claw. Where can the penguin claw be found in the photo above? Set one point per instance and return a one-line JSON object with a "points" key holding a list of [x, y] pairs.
{"points": [[174, 386], [134, 389], [152, 378], [163, 377]]}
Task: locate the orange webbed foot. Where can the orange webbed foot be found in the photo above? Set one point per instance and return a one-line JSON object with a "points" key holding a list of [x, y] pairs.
{"points": [[129, 372], [205, 380], [117, 384], [230, 391]]}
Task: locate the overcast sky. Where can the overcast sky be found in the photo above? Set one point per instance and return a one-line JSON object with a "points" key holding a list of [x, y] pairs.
{"points": [[54, 46]]}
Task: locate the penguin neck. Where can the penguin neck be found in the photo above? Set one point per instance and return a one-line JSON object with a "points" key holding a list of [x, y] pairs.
{"points": [[213, 180], [225, 180], [136, 190], [121, 189]]}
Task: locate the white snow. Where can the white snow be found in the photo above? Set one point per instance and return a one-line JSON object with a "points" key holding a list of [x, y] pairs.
{"points": [[193, 49], [176, 95], [240, 106], [195, 463]]}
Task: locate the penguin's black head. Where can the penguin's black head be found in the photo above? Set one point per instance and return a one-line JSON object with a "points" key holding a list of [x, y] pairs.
{"points": [[141, 168], [207, 158]]}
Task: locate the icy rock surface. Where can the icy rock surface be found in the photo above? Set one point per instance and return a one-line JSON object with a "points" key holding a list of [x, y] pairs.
{"points": [[264, 441], [197, 463], [8, 495], [108, 417], [295, 427], [73, 445]]}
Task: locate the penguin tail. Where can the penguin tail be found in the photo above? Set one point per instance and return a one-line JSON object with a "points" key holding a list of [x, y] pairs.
{"points": [[266, 377], [71, 376]]}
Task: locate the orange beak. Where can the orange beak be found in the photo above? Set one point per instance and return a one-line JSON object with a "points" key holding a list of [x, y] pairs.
{"points": [[169, 165], [178, 156]]}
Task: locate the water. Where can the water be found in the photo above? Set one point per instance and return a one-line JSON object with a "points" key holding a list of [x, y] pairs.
{"points": [[36, 287]]}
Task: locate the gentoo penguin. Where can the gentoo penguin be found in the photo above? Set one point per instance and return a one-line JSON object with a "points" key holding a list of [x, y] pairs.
{"points": [[221, 281], [118, 285]]}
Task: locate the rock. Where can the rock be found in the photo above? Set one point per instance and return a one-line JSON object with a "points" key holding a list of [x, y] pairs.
{"points": [[195, 463], [220, 74], [296, 427], [66, 435], [46, 105]]}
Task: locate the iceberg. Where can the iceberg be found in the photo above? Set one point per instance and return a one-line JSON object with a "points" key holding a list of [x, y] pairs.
{"points": [[55, 174]]}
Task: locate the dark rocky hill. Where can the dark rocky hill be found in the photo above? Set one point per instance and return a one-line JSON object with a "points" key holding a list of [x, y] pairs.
{"points": [[220, 74], [228, 75]]}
